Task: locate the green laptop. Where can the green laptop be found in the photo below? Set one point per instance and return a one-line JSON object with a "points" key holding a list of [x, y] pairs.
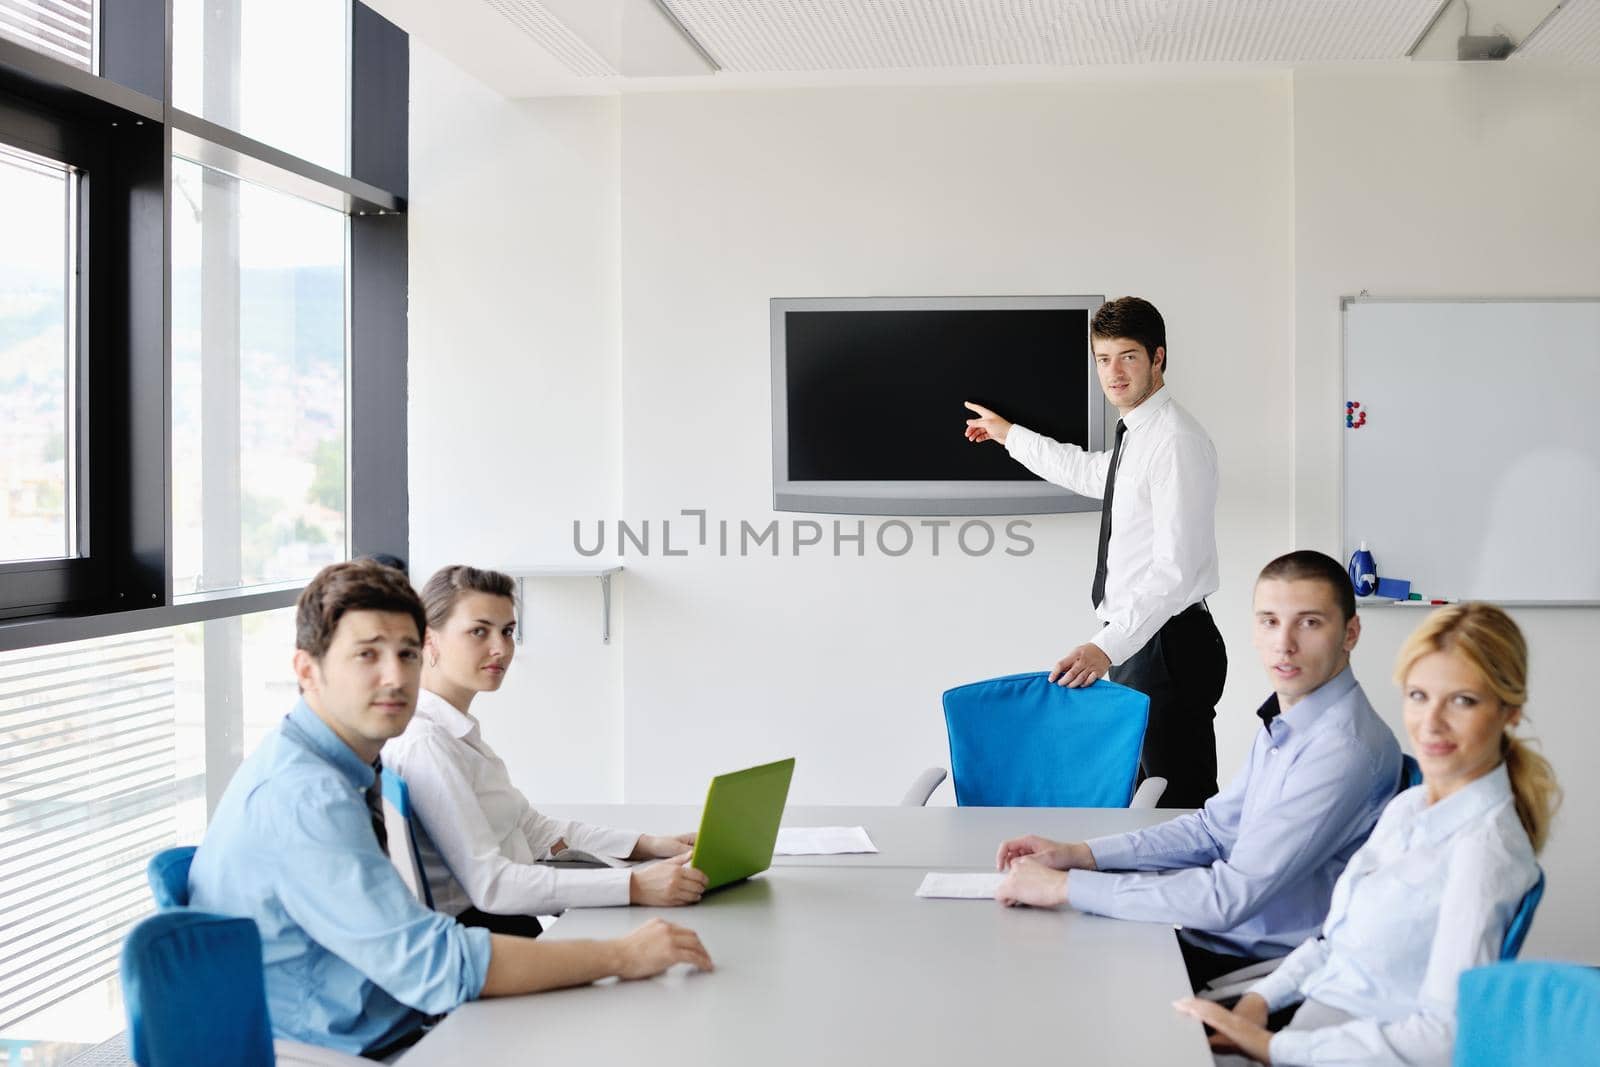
{"points": [[740, 823]]}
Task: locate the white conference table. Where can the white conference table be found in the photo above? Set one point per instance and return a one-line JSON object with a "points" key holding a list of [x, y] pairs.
{"points": [[906, 837], [835, 960]]}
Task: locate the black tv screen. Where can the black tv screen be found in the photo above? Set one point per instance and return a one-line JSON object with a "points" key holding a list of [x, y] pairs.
{"points": [[870, 398]]}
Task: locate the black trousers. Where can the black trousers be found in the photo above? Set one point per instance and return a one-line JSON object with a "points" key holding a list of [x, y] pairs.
{"points": [[516, 925], [1182, 670], [1205, 965]]}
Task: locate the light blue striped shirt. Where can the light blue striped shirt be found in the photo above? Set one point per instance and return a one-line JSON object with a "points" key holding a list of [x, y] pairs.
{"points": [[1252, 872], [353, 962]]}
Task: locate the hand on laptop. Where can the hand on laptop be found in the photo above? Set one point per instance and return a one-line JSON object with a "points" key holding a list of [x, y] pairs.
{"points": [[667, 884], [657, 945], [1060, 855]]}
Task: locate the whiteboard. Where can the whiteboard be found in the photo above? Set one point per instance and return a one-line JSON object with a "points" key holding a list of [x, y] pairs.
{"points": [[1476, 474]]}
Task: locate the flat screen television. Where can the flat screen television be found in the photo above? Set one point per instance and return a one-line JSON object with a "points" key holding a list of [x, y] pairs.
{"points": [[867, 392]]}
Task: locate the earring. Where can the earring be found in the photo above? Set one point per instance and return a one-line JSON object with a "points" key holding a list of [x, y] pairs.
{"points": [[433, 661]]}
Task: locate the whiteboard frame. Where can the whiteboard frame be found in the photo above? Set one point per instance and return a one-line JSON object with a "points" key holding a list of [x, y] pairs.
{"points": [[1344, 382]]}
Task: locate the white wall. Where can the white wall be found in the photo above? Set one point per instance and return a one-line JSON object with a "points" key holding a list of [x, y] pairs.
{"points": [[1453, 181], [589, 341], [1179, 192], [513, 381]]}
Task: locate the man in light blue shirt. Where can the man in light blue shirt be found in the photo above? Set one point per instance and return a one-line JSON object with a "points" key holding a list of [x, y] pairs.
{"points": [[353, 961], [1249, 876]]}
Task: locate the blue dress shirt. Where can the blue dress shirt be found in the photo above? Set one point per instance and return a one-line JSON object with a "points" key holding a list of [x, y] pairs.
{"points": [[1252, 872], [353, 962]]}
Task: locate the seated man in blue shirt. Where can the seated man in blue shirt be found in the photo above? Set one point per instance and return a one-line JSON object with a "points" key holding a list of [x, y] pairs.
{"points": [[1249, 876], [353, 961]]}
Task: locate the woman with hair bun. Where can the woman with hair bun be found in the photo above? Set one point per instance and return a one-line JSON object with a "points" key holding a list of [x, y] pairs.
{"points": [[1432, 891], [479, 837]]}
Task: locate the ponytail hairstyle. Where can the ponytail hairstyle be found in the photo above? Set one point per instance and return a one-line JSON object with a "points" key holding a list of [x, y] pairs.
{"points": [[1486, 637], [445, 589]]}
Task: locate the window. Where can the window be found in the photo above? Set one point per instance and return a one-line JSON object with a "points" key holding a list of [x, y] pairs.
{"points": [[202, 400], [61, 29], [38, 440], [258, 393], [111, 749], [276, 71]]}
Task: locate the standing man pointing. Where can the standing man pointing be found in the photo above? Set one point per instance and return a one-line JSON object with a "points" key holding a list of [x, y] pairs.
{"points": [[1157, 559]]}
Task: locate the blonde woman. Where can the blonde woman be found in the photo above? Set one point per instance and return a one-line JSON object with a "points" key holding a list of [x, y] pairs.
{"points": [[1432, 891], [479, 837]]}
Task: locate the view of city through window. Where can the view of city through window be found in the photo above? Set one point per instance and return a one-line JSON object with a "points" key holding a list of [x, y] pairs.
{"points": [[36, 351], [258, 383]]}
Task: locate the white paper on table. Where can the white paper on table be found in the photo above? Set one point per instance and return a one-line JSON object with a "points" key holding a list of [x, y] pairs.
{"points": [[964, 886], [822, 841]]}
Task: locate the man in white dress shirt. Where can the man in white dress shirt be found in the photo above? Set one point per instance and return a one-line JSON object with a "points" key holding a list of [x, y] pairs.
{"points": [[1157, 558]]}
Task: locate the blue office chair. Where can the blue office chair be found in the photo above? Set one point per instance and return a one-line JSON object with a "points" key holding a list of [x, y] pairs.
{"points": [[194, 993], [1021, 742], [168, 873], [1517, 1013], [1410, 773], [1517, 932]]}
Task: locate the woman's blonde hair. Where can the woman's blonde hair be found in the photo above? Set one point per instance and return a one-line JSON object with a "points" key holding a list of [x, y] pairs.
{"points": [[1486, 637]]}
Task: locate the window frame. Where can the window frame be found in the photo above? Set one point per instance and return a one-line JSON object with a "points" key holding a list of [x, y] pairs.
{"points": [[119, 128]]}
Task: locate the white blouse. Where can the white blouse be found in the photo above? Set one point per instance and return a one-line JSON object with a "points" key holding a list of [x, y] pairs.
{"points": [[1427, 897], [480, 839]]}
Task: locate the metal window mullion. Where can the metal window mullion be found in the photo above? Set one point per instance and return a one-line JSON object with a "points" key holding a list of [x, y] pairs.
{"points": [[221, 491]]}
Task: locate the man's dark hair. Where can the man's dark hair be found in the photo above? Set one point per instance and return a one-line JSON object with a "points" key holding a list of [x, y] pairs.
{"points": [[1309, 566], [1137, 320], [359, 585]]}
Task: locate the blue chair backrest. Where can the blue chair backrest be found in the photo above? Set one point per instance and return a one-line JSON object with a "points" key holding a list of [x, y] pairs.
{"points": [[1021, 742], [1528, 1013], [168, 872], [1517, 932], [194, 992], [1410, 773]]}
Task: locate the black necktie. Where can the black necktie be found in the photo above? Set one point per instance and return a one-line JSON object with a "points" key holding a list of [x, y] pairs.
{"points": [[375, 806], [1098, 593]]}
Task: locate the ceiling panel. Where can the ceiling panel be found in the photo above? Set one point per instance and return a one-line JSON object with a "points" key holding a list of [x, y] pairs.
{"points": [[553, 35], [813, 35], [1572, 34]]}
